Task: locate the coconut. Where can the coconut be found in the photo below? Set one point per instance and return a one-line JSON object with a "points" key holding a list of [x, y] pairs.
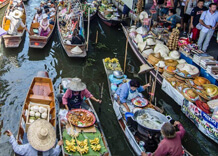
{"points": [[44, 115], [32, 113]]}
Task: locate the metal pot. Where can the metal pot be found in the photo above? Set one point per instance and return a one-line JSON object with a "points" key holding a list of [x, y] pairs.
{"points": [[162, 118], [118, 74]]}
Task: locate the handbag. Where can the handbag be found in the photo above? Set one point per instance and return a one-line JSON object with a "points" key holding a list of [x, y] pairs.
{"points": [[199, 26]]}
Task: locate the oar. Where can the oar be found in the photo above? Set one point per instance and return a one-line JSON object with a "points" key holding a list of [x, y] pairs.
{"points": [[101, 87]]}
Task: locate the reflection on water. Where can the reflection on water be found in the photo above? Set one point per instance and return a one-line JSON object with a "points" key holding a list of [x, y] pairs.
{"points": [[20, 65]]}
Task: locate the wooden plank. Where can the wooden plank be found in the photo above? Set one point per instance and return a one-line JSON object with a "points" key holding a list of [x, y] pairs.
{"points": [[40, 97]]}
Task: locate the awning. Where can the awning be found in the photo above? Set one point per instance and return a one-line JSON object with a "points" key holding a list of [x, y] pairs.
{"points": [[129, 3]]}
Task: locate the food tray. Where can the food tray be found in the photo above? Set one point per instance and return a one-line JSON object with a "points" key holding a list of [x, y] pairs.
{"points": [[79, 122], [139, 102]]}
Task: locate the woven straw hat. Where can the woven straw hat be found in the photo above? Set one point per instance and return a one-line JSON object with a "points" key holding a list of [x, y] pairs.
{"points": [[212, 90], [17, 14], [41, 135], [76, 50], [76, 85], [144, 68]]}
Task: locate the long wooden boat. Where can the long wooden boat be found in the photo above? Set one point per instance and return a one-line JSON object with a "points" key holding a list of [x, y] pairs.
{"points": [[67, 45], [92, 16], [139, 56], [109, 22], [97, 124], [132, 134], [13, 41], [3, 3], [37, 41], [41, 93]]}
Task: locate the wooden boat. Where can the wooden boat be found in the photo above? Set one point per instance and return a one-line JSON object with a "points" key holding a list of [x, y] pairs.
{"points": [[139, 56], [41, 93], [92, 16], [37, 41], [3, 3], [97, 124], [67, 45], [109, 22], [13, 41], [130, 130]]}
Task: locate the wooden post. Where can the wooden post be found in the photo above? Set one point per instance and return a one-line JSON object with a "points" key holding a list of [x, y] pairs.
{"points": [[154, 84], [96, 39], [126, 53], [88, 30]]}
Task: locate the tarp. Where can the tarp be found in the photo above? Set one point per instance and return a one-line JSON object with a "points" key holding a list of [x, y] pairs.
{"points": [[2, 32], [129, 3]]}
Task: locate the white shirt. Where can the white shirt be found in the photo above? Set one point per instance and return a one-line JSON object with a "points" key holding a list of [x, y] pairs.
{"points": [[209, 19], [15, 23], [38, 18], [28, 150]]}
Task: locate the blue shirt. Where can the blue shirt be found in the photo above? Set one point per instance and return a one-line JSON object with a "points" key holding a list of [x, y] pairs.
{"points": [[173, 20], [28, 150], [209, 19], [123, 91]]}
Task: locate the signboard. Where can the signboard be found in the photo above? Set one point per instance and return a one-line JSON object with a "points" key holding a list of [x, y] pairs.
{"points": [[129, 3], [204, 122]]}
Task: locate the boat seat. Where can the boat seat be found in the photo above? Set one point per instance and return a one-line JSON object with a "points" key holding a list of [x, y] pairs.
{"points": [[41, 88], [40, 97], [35, 25]]}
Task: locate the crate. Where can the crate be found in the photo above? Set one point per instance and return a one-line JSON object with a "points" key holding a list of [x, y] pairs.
{"points": [[36, 104]]}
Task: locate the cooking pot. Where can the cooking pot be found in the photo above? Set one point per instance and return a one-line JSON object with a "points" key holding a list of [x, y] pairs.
{"points": [[118, 74], [162, 118]]}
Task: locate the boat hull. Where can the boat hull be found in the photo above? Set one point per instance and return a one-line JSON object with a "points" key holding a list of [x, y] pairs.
{"points": [[108, 22], [4, 3]]}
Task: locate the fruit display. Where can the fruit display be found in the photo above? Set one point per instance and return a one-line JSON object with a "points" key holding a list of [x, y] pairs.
{"points": [[91, 145], [173, 39], [112, 64], [108, 11]]}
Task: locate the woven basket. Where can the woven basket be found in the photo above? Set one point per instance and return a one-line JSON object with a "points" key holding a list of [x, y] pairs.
{"points": [[154, 58], [167, 75], [171, 62]]}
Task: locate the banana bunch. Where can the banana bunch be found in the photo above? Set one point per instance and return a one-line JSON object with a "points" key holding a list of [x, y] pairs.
{"points": [[96, 147], [71, 145], [107, 60], [82, 149], [82, 143], [114, 60], [95, 141], [95, 144]]}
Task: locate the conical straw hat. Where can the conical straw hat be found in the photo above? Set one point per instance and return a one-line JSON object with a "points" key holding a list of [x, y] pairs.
{"points": [[76, 50], [144, 68], [41, 135], [76, 85]]}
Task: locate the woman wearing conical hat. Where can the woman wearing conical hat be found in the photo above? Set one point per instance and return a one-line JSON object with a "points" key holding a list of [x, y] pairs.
{"points": [[73, 98], [41, 139]]}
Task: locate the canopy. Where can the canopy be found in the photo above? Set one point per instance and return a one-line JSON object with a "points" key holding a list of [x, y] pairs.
{"points": [[129, 3], [2, 32]]}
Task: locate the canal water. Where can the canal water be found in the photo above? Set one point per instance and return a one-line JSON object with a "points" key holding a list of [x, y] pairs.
{"points": [[18, 67]]}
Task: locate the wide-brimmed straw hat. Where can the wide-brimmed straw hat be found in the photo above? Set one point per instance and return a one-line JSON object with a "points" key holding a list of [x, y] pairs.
{"points": [[145, 68], [76, 85], [143, 15], [212, 90], [41, 135], [76, 50], [17, 14]]}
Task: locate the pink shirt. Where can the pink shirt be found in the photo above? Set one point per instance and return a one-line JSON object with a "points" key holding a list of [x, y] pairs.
{"points": [[68, 94], [171, 147]]}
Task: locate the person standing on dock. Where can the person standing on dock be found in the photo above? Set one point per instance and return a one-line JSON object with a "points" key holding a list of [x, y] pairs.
{"points": [[128, 91], [171, 145], [41, 137]]}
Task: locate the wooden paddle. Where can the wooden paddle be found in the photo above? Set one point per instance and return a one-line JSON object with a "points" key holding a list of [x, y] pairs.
{"points": [[101, 87]]}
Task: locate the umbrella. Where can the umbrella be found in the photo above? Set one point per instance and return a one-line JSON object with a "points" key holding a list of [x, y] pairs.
{"points": [[2, 32]]}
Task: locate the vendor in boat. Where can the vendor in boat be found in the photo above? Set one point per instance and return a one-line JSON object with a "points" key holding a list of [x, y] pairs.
{"points": [[73, 98], [44, 28], [171, 145], [128, 91], [41, 139], [15, 22], [76, 38], [38, 16], [170, 21]]}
